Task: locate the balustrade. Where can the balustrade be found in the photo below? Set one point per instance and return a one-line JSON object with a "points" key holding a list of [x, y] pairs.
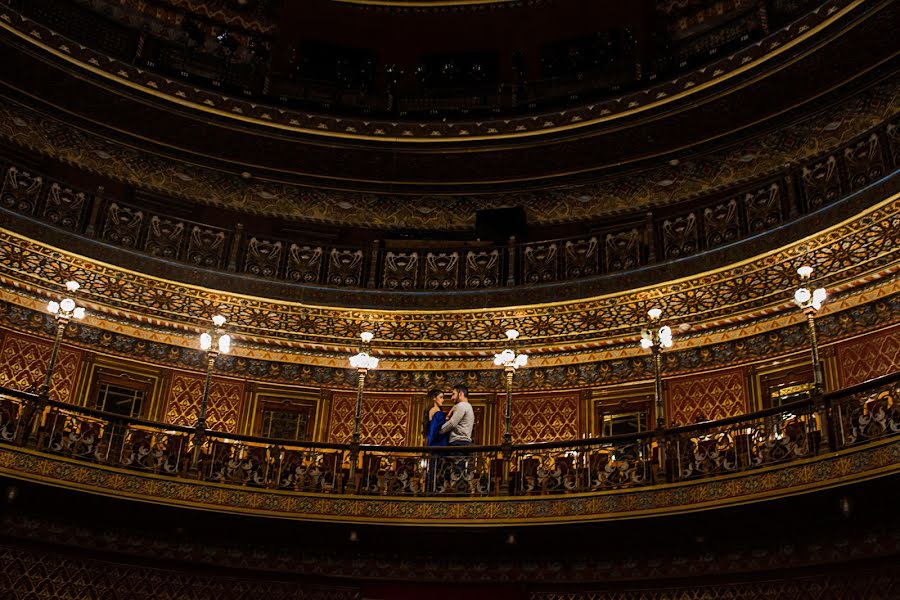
{"points": [[799, 430]]}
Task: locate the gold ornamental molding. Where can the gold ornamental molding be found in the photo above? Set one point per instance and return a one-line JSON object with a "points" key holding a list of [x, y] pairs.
{"points": [[869, 461], [857, 261], [690, 84]]}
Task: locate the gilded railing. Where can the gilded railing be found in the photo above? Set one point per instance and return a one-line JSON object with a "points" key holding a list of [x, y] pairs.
{"points": [[817, 425]]}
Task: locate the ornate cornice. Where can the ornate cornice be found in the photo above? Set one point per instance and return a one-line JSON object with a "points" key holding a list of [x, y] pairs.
{"points": [[860, 463], [845, 257]]}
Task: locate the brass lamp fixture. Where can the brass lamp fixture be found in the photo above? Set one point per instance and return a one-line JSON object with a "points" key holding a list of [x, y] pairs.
{"points": [[213, 342], [63, 311], [655, 338], [362, 361], [510, 360], [810, 302]]}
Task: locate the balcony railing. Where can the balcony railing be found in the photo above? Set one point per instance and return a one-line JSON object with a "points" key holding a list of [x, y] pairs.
{"points": [[803, 429]]}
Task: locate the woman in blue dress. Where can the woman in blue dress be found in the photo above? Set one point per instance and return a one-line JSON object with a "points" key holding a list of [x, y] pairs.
{"points": [[432, 421]]}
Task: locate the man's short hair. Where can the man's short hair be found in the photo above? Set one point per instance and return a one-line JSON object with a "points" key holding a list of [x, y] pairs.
{"points": [[462, 389], [434, 393]]}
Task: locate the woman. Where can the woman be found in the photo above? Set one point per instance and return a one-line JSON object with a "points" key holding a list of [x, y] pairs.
{"points": [[433, 419]]}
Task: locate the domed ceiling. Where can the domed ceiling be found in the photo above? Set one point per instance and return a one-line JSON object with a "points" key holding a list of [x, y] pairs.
{"points": [[417, 115]]}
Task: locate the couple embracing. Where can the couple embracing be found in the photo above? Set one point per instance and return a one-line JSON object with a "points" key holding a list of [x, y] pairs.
{"points": [[454, 429]]}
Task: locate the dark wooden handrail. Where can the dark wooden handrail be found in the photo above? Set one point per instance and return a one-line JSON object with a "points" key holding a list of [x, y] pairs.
{"points": [[797, 406]]}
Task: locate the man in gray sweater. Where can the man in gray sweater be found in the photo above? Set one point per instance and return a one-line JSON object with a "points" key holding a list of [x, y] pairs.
{"points": [[462, 418]]}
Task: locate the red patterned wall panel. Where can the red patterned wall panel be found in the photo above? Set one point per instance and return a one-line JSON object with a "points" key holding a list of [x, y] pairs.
{"points": [[23, 363], [868, 357], [386, 418], [707, 397], [223, 412], [543, 417]]}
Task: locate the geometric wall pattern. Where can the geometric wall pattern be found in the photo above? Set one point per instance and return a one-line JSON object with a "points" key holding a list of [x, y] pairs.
{"points": [[224, 408], [707, 397], [871, 356], [545, 417], [23, 365], [871, 584], [39, 575], [386, 419]]}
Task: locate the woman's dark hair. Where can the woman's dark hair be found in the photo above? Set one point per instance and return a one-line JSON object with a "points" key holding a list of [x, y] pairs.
{"points": [[426, 422]]}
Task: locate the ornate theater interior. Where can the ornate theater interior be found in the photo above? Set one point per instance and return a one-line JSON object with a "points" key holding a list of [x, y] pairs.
{"points": [[656, 241]]}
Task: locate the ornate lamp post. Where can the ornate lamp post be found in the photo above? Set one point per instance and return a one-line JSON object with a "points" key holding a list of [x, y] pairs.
{"points": [[362, 361], [213, 342], [810, 301], [510, 360], [655, 339], [64, 311]]}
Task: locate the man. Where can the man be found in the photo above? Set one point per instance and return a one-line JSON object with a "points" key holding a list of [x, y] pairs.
{"points": [[462, 418]]}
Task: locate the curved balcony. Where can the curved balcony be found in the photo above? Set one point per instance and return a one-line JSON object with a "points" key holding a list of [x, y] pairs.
{"points": [[813, 443], [670, 241]]}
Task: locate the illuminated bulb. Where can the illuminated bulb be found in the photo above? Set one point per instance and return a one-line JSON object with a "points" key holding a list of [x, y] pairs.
{"points": [[654, 313], [67, 305], [521, 360], [805, 271], [205, 341], [366, 336], [802, 296], [225, 344], [72, 286], [512, 334], [218, 320], [665, 336], [818, 297], [53, 306], [79, 312]]}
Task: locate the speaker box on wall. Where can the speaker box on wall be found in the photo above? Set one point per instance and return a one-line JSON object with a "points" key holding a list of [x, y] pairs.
{"points": [[498, 224]]}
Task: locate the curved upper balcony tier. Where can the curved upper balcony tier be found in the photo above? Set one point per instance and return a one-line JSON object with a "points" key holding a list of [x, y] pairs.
{"points": [[798, 69], [855, 260], [344, 269]]}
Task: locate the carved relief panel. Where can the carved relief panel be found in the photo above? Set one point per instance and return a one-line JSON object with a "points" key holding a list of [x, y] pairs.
{"points": [[206, 247], [623, 250], [263, 257], [345, 267], [541, 262], [821, 183], [864, 161], [401, 270], [123, 225], [482, 269], [582, 258], [165, 237], [680, 236], [721, 224], [441, 270], [304, 263], [65, 207], [21, 191], [763, 208]]}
